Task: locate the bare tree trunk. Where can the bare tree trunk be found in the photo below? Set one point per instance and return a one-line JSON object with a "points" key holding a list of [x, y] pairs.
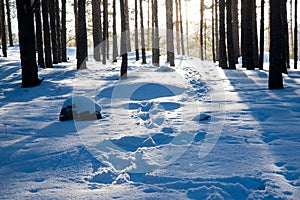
{"points": [[255, 39], [222, 42], [11, 42], [285, 37], [217, 29], [127, 26], [75, 7], [296, 37], [63, 32], [52, 13], [142, 33], [201, 27], [262, 35], [235, 29], [96, 28], [230, 42], [3, 30], [47, 39], [170, 36], [137, 55], [291, 28], [123, 41], [177, 28], [58, 30], [81, 36], [181, 28], [155, 34], [115, 39], [213, 30], [148, 26], [38, 32], [105, 31]]}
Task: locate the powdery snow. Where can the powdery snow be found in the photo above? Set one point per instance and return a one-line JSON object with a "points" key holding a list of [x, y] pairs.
{"points": [[193, 131]]}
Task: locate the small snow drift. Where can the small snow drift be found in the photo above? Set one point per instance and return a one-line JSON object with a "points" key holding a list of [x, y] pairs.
{"points": [[80, 108], [202, 117]]}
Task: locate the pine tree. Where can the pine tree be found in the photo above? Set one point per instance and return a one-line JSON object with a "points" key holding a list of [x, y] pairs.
{"points": [[222, 42], [155, 34], [96, 28], [262, 35], [105, 31], [296, 36], [47, 39], [115, 39], [276, 45], [137, 56], [142, 33], [63, 32], [58, 30], [39, 37], [27, 44], [235, 29], [201, 27], [82, 50], [3, 30], [11, 42], [123, 41], [230, 43], [170, 36]]}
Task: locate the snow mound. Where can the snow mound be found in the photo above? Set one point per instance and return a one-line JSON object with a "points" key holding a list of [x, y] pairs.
{"points": [[80, 108], [165, 69], [202, 117]]}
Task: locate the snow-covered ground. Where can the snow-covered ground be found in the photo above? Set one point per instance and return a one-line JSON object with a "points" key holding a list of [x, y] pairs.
{"points": [[192, 131]]}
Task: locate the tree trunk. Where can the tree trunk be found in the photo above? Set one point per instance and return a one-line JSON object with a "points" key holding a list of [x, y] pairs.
{"points": [[262, 35], [115, 39], [217, 29], [177, 28], [291, 28], [47, 39], [181, 28], [222, 42], [105, 31], [58, 30], [38, 32], [142, 33], [170, 36], [296, 37], [155, 34], [213, 30], [127, 26], [255, 39], [3, 30], [235, 29], [63, 32], [11, 42], [285, 37], [230, 42], [75, 7], [52, 13], [201, 27], [81, 36], [277, 47], [137, 55], [123, 41], [96, 28], [27, 44]]}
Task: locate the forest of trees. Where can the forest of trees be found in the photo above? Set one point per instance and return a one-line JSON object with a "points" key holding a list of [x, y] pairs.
{"points": [[227, 30]]}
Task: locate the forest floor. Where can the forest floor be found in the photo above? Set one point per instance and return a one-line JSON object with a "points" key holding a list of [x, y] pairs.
{"points": [[193, 131]]}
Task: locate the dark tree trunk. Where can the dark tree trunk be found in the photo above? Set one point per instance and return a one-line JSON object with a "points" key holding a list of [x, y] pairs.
{"points": [[201, 27], [123, 41], [63, 32], [296, 37], [277, 47], [96, 28], [47, 40], [82, 50], [127, 26], [222, 42], [230, 42], [170, 36], [262, 35], [3, 30], [11, 42], [213, 31], [38, 32], [181, 28], [217, 29], [142, 33], [115, 39], [255, 39], [58, 30], [27, 44], [285, 37], [137, 55], [155, 34], [105, 31], [52, 5], [247, 34], [235, 29], [291, 29], [75, 7]]}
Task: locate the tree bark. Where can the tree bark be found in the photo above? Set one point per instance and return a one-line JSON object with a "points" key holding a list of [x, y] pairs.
{"points": [[47, 39], [222, 42], [96, 28], [177, 28], [235, 29], [217, 29], [276, 44], [123, 41], [201, 27], [63, 32], [255, 39], [213, 30], [3, 30], [230, 42], [58, 30], [262, 35], [105, 31], [181, 28], [27, 44], [38, 32], [137, 55], [127, 26], [52, 13], [142, 33], [115, 39], [10, 36], [170, 35], [155, 34], [82, 50], [296, 36]]}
